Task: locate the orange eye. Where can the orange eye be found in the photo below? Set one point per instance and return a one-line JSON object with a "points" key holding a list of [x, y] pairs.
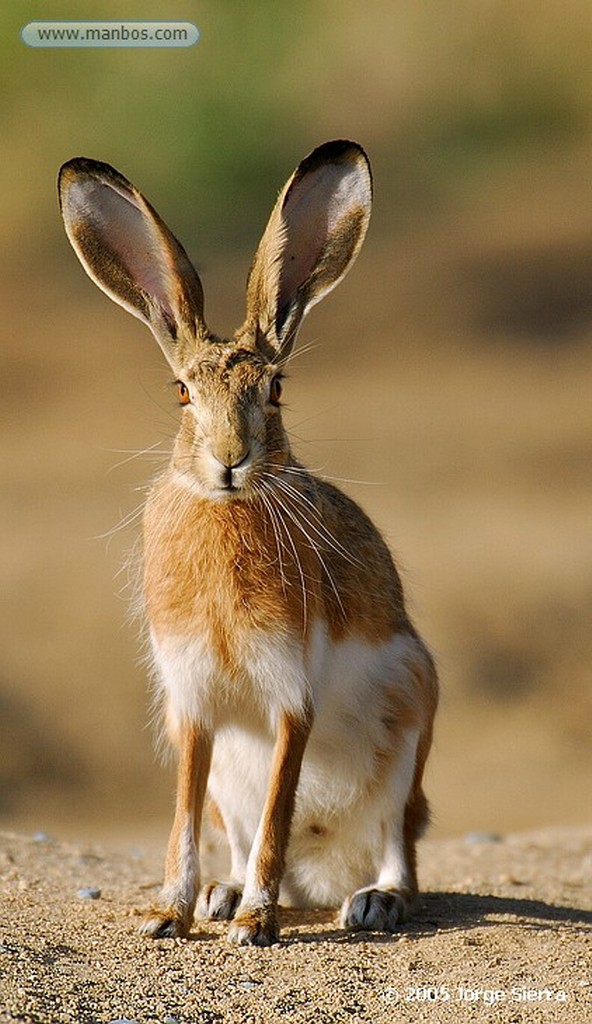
{"points": [[183, 392], [275, 391]]}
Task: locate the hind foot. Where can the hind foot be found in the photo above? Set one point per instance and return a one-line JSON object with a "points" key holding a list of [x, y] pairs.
{"points": [[377, 909], [219, 900]]}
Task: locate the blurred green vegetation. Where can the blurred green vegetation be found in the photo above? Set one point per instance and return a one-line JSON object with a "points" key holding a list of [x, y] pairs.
{"points": [[439, 93]]}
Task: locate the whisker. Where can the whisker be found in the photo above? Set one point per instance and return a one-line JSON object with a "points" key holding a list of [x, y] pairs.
{"points": [[153, 451], [319, 471], [260, 492], [124, 522], [292, 514], [301, 350], [351, 480], [319, 528], [300, 471], [294, 548]]}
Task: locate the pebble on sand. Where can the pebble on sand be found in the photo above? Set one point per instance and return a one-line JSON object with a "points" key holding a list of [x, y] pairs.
{"points": [[89, 894]]}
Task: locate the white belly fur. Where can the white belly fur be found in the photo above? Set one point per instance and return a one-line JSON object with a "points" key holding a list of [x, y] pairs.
{"points": [[340, 807]]}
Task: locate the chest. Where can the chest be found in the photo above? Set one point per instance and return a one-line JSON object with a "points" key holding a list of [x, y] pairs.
{"points": [[218, 571], [261, 676]]}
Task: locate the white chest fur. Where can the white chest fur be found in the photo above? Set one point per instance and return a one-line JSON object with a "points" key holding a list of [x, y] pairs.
{"points": [[269, 679], [351, 683]]}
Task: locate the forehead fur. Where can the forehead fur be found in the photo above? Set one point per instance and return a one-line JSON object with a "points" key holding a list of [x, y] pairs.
{"points": [[227, 364]]}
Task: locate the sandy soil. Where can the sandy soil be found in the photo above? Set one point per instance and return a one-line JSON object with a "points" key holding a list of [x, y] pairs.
{"points": [[504, 933]]}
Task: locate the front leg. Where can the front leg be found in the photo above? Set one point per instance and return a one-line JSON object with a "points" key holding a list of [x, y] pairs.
{"points": [[256, 922], [173, 913]]}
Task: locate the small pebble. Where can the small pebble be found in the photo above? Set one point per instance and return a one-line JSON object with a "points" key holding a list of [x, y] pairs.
{"points": [[41, 837], [482, 837], [90, 894]]}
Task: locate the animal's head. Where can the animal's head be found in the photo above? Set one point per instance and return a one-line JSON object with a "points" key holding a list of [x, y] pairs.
{"points": [[231, 432]]}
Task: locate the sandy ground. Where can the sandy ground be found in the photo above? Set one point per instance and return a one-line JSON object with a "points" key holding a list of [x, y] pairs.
{"points": [[504, 933]]}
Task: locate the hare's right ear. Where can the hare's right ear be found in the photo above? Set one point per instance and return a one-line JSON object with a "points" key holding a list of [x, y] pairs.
{"points": [[312, 238], [130, 253]]}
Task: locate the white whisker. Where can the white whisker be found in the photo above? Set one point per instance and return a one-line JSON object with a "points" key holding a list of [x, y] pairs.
{"points": [[260, 491], [293, 514], [124, 522], [319, 526], [301, 471], [301, 350], [269, 499], [153, 451]]}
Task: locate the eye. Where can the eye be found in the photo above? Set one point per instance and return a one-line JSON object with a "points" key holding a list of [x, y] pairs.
{"points": [[275, 391], [183, 392]]}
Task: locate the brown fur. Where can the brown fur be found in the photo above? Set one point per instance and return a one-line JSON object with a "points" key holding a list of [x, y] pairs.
{"points": [[210, 570], [208, 567], [174, 913], [279, 805], [239, 540]]}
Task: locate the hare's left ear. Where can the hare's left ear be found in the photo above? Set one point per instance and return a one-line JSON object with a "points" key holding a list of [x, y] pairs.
{"points": [[312, 238], [129, 252]]}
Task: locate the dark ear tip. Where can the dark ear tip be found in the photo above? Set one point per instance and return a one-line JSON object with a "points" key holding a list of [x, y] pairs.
{"points": [[335, 151], [67, 174], [67, 170], [80, 167], [336, 148]]}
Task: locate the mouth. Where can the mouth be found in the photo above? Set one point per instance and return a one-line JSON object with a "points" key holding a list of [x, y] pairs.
{"points": [[220, 483], [227, 492], [232, 481]]}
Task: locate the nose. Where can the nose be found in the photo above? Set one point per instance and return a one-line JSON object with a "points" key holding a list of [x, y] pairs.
{"points": [[228, 466]]}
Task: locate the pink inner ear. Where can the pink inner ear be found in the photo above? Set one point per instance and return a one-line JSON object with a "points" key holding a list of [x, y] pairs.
{"points": [[305, 217], [314, 206], [126, 231]]}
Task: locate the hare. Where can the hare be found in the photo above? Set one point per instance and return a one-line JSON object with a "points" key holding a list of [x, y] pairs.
{"points": [[296, 691]]}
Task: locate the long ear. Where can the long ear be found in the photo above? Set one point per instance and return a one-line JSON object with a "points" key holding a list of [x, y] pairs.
{"points": [[130, 253], [312, 238]]}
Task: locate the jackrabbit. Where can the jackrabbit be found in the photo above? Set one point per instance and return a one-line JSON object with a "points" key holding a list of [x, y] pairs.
{"points": [[297, 693]]}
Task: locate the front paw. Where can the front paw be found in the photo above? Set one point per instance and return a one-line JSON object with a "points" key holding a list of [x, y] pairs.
{"points": [[257, 926], [164, 924], [219, 900], [375, 909]]}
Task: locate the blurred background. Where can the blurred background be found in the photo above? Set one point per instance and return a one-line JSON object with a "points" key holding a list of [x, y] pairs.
{"points": [[448, 381]]}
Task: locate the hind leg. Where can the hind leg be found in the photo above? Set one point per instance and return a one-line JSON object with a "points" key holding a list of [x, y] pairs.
{"points": [[385, 904], [219, 900]]}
